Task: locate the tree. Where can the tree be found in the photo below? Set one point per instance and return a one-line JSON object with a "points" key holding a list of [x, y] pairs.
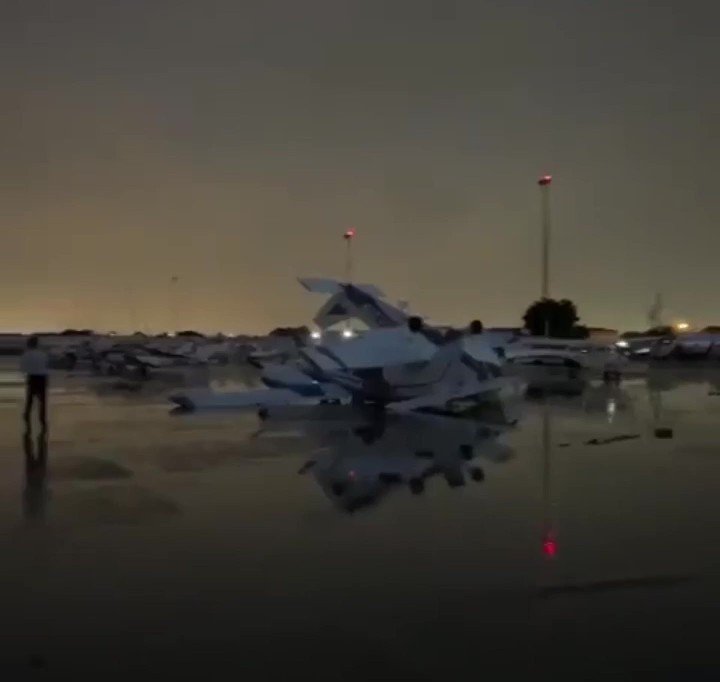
{"points": [[77, 332], [554, 318], [292, 332]]}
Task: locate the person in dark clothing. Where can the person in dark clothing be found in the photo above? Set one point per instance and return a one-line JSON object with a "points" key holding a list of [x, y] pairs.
{"points": [[34, 365]]}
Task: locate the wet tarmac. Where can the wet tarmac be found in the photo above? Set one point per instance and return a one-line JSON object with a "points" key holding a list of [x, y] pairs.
{"points": [[580, 544]]}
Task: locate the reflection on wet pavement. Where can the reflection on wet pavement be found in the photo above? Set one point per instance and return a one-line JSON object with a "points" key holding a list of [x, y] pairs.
{"points": [[359, 465], [79, 468], [113, 504], [600, 586], [407, 548]]}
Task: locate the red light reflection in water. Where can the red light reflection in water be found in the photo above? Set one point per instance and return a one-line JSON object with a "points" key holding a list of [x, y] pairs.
{"points": [[549, 546]]}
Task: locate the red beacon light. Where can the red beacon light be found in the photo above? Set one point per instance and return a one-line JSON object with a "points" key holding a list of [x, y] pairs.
{"points": [[349, 234], [545, 180]]}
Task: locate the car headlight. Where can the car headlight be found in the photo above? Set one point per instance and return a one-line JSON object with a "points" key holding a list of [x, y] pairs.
{"points": [[622, 344]]}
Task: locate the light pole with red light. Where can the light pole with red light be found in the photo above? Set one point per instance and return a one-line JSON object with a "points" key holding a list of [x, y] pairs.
{"points": [[545, 181], [349, 236]]}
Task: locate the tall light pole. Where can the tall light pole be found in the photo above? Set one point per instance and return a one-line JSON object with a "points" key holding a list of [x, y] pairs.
{"points": [[173, 302], [348, 236], [545, 181]]}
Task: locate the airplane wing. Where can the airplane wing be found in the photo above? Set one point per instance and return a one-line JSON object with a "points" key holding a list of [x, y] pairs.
{"points": [[370, 290], [321, 285], [207, 399], [326, 285]]}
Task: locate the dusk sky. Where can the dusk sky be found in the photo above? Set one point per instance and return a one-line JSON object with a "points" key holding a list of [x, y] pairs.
{"points": [[231, 142]]}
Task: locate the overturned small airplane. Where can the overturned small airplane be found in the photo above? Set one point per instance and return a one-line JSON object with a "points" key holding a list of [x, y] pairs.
{"points": [[398, 364]]}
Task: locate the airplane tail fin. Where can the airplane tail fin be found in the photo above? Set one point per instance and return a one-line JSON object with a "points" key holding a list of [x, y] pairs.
{"points": [[363, 302]]}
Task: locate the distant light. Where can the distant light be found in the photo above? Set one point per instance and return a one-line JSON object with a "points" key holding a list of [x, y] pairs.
{"points": [[349, 233], [622, 344], [171, 335], [348, 333], [682, 326], [229, 335], [545, 180], [316, 334]]}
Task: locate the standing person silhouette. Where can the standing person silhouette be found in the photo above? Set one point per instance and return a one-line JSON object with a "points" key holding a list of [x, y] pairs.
{"points": [[34, 365]]}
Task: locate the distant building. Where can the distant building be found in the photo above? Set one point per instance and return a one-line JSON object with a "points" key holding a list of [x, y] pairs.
{"points": [[503, 335], [12, 344], [603, 335]]}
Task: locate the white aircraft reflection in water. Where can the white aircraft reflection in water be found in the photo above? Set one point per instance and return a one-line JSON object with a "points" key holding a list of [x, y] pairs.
{"points": [[359, 461], [399, 363]]}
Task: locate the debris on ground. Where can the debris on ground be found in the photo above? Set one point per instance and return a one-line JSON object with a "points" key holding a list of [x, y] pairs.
{"points": [[607, 585], [307, 466], [612, 439]]}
